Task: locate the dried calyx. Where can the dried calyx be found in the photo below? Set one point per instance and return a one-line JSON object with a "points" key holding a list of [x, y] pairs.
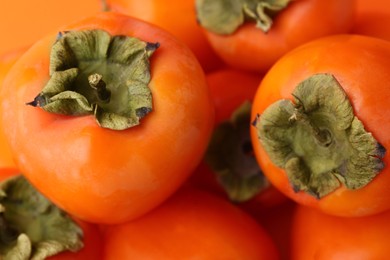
{"points": [[31, 227], [225, 16], [318, 140], [94, 73], [231, 158]]}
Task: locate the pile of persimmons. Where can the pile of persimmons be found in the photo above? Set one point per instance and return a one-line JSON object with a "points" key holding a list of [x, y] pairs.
{"points": [[194, 129]]}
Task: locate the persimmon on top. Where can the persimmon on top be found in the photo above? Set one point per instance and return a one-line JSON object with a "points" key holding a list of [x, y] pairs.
{"points": [[254, 34]]}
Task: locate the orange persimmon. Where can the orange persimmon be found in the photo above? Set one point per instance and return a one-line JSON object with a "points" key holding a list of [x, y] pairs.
{"points": [[244, 44], [315, 235], [192, 224], [372, 18], [102, 127], [321, 125]]}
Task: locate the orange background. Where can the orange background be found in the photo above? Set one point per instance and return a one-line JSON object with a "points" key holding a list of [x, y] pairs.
{"points": [[22, 22]]}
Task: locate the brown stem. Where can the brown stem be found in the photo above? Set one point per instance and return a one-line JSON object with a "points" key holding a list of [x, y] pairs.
{"points": [[102, 93]]}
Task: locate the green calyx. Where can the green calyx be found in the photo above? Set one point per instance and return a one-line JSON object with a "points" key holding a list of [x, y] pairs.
{"points": [[31, 227], [225, 16], [94, 73], [318, 140], [230, 156]]}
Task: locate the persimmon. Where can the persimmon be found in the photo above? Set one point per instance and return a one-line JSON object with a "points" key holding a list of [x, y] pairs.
{"points": [[229, 167], [277, 221], [229, 89], [372, 18], [320, 121], [315, 235], [192, 224], [371, 6], [176, 17], [107, 118], [253, 35]]}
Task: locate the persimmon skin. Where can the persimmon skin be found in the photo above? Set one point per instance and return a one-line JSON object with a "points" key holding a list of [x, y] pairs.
{"points": [[372, 19], [176, 17], [372, 6], [360, 64], [7, 60], [316, 235], [192, 224], [249, 48], [277, 221], [100, 175], [229, 88]]}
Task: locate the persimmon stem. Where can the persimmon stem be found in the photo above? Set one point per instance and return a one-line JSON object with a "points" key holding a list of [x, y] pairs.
{"points": [[323, 136], [102, 93]]}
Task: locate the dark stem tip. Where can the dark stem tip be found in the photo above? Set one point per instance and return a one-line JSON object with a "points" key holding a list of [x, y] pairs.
{"points": [[381, 150], [38, 101], [254, 122], [142, 112], [150, 46]]}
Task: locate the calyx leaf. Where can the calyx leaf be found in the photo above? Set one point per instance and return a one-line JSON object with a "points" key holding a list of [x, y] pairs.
{"points": [[31, 227], [94, 73], [230, 156], [225, 16], [318, 140]]}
